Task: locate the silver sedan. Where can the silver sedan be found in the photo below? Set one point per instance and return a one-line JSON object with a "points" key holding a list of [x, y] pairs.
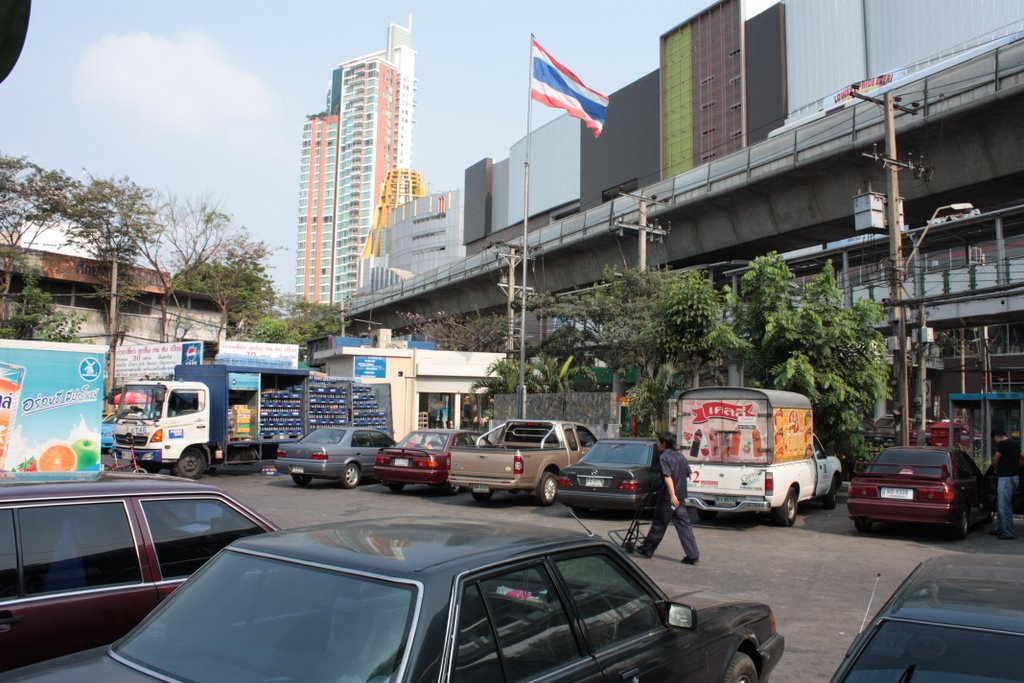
{"points": [[345, 454]]}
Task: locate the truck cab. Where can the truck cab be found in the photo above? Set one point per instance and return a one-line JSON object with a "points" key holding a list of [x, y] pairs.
{"points": [[162, 423]]}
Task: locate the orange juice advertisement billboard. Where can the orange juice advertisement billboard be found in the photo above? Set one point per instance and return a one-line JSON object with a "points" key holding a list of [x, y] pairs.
{"points": [[794, 432], [51, 403], [725, 430]]}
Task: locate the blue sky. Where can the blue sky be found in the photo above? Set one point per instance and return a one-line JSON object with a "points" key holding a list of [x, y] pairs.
{"points": [[197, 97]]}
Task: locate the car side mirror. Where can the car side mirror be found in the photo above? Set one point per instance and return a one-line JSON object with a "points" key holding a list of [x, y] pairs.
{"points": [[682, 616]]}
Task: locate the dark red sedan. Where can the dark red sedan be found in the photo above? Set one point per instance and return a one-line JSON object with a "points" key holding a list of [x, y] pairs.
{"points": [[422, 457], [920, 485]]}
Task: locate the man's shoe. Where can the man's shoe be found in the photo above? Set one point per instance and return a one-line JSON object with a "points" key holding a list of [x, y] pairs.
{"points": [[643, 552], [993, 533], [1004, 537], [689, 560]]}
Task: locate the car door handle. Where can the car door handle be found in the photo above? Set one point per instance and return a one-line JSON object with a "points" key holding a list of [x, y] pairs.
{"points": [[631, 675], [7, 619]]}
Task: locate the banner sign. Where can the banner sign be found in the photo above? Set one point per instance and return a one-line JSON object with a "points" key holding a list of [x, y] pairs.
{"points": [[260, 355], [154, 361]]}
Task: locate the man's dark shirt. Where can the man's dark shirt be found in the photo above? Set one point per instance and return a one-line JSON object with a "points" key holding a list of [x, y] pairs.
{"points": [[674, 465], [1009, 458]]}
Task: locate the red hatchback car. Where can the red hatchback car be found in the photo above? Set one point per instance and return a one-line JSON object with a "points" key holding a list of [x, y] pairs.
{"points": [[82, 561], [920, 485], [422, 457]]}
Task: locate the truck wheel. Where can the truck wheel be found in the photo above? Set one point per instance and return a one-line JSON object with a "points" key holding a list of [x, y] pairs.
{"points": [[828, 501], [449, 489], [546, 489], [396, 487], [302, 479], [785, 514], [191, 464], [482, 496], [741, 670], [350, 476], [706, 515]]}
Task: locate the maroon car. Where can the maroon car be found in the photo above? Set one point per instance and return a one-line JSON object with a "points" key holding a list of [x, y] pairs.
{"points": [[422, 457], [82, 561], [921, 485]]}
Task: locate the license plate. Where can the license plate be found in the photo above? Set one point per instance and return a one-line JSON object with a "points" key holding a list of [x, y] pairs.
{"points": [[296, 469], [595, 482], [724, 500], [139, 431], [481, 488], [400, 462], [899, 494]]}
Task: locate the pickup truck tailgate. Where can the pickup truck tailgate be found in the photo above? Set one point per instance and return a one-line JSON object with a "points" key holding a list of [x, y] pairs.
{"points": [[711, 481], [482, 463]]}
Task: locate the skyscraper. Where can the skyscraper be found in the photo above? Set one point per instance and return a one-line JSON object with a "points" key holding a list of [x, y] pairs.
{"points": [[347, 150]]}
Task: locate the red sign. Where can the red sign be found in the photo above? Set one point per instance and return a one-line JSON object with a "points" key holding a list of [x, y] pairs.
{"points": [[723, 410]]}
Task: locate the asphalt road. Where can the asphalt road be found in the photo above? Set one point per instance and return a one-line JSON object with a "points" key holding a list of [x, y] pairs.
{"points": [[818, 575]]}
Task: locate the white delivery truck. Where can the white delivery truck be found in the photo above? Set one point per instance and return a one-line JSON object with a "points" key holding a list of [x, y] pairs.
{"points": [[752, 450]]}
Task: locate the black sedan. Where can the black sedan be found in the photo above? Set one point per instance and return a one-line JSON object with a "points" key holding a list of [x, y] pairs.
{"points": [[955, 618], [343, 454], [615, 474], [420, 599]]}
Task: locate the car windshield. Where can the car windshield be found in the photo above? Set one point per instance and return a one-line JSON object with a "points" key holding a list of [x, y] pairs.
{"points": [[324, 436], [618, 453], [893, 460], [938, 654], [425, 440], [142, 401], [251, 618]]}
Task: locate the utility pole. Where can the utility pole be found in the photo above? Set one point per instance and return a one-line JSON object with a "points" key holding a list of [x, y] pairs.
{"points": [[892, 167], [645, 231], [511, 257], [922, 374]]}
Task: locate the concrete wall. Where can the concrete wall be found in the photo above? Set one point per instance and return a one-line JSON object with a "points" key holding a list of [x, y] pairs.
{"points": [[599, 410]]}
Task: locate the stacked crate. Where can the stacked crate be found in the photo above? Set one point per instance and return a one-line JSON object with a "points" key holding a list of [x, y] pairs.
{"points": [[240, 426]]}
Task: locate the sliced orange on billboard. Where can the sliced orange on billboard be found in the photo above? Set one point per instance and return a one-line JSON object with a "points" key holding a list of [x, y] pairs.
{"points": [[57, 458]]}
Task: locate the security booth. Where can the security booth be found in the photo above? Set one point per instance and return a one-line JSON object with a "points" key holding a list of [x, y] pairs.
{"points": [[981, 413]]}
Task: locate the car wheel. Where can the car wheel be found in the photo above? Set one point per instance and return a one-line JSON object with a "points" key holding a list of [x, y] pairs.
{"points": [[482, 496], [396, 487], [861, 524], [191, 464], [547, 489], [350, 476], [302, 479], [785, 514], [706, 515], [449, 488], [828, 501], [963, 525], [741, 669]]}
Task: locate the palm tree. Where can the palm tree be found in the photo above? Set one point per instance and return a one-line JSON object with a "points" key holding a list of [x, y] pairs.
{"points": [[648, 400], [555, 377]]}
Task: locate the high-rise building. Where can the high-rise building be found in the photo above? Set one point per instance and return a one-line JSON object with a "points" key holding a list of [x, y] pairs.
{"points": [[347, 151]]}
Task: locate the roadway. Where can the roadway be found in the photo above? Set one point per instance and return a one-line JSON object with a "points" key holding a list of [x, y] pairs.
{"points": [[818, 575]]}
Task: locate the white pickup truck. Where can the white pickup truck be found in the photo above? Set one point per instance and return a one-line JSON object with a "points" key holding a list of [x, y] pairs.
{"points": [[752, 450]]}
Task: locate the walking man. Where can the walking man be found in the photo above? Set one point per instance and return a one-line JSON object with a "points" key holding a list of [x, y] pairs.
{"points": [[676, 471], [1006, 464]]}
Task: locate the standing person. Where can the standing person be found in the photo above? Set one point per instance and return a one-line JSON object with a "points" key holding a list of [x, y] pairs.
{"points": [[676, 471], [1006, 464]]}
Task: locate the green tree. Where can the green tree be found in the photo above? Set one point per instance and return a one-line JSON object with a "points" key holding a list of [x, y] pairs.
{"points": [[555, 376], [612, 321], [34, 316], [805, 340], [32, 201], [108, 220], [648, 399], [239, 285], [690, 323], [471, 332], [503, 378]]}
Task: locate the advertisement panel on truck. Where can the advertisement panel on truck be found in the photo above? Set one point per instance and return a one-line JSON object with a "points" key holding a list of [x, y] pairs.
{"points": [[51, 405]]}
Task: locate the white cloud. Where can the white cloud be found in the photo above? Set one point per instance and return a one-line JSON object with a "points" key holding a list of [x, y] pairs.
{"points": [[183, 85]]}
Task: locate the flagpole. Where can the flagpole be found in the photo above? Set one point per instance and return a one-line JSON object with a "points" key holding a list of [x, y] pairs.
{"points": [[526, 219]]}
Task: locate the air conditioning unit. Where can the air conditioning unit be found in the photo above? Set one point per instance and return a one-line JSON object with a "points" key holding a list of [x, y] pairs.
{"points": [[381, 338]]}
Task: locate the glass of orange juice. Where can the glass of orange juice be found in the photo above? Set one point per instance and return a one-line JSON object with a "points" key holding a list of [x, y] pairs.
{"points": [[11, 379]]}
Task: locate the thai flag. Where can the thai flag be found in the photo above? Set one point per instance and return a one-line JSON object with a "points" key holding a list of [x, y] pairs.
{"points": [[555, 86]]}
